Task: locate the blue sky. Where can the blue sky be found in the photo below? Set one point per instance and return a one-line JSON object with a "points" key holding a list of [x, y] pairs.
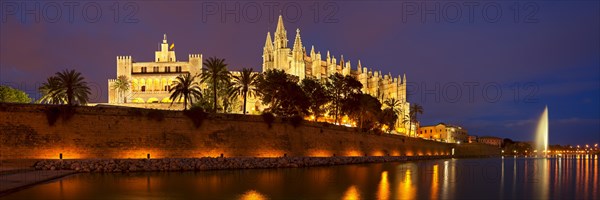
{"points": [[492, 72]]}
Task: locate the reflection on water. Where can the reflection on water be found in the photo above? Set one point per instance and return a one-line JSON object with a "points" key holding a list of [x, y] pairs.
{"points": [[434, 183], [384, 187], [567, 177], [351, 194], [252, 195]]}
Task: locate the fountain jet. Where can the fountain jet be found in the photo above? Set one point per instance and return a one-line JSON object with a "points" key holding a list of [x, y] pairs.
{"points": [[541, 135]]}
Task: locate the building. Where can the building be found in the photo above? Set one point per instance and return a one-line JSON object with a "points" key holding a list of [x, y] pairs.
{"points": [[443, 133], [296, 61], [490, 140], [151, 81]]}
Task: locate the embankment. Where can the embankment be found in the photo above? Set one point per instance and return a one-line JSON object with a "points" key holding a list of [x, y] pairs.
{"points": [[29, 131]]}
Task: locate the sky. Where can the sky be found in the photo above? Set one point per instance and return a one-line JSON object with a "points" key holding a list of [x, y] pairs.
{"points": [[489, 66]]}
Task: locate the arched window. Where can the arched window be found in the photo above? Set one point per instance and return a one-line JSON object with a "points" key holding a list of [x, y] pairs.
{"points": [[143, 88]]}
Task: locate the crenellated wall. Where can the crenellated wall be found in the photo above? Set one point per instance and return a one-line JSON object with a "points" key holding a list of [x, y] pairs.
{"points": [[113, 132]]}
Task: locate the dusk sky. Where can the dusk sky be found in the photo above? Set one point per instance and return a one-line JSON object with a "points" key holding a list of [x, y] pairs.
{"points": [[491, 72]]}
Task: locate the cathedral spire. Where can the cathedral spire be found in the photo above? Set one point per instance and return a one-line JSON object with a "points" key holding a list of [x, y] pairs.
{"points": [[297, 41], [404, 78], [268, 42], [280, 26], [312, 50], [280, 36]]}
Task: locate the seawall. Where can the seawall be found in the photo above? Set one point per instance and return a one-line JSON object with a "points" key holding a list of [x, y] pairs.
{"points": [[131, 133]]}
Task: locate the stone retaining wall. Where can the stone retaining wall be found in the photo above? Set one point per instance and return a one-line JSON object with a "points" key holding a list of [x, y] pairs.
{"points": [[198, 164], [122, 133]]}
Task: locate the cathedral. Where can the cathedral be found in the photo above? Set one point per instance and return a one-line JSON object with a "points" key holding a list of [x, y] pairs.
{"points": [[296, 61]]}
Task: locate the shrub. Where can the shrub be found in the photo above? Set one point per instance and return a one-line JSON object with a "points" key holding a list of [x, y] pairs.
{"points": [[296, 120], [196, 114], [269, 118], [156, 115]]}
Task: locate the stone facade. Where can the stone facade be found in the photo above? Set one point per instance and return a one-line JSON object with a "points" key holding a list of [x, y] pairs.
{"points": [[151, 81], [296, 61], [113, 132]]}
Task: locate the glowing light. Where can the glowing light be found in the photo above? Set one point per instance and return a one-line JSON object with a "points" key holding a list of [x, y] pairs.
{"points": [[407, 190], [384, 187], [434, 183], [351, 194], [252, 195], [353, 153]]}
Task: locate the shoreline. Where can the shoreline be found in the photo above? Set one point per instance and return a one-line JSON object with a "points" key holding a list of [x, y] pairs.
{"points": [[217, 163], [55, 169]]}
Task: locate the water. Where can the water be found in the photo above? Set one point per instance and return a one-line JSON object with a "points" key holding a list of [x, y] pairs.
{"points": [[541, 133], [494, 178]]}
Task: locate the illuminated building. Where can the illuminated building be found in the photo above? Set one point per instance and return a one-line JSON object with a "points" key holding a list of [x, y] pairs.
{"points": [[444, 133], [298, 62]]}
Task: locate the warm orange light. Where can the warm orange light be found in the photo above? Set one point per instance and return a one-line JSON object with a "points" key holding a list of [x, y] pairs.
{"points": [[378, 153], [383, 192], [353, 153], [269, 153], [351, 194], [252, 195]]}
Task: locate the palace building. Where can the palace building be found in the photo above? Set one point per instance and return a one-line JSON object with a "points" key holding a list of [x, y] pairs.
{"points": [[151, 81]]}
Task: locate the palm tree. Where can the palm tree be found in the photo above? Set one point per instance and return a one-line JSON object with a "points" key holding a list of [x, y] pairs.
{"points": [[244, 85], [215, 74], [122, 86], [185, 87], [393, 103], [51, 92], [67, 87], [414, 110]]}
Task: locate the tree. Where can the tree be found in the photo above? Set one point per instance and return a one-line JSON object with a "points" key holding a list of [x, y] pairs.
{"points": [[122, 86], [317, 96], [364, 108], [339, 88], [394, 105], [187, 88], [281, 92], [215, 74], [12, 95], [51, 92], [244, 85], [67, 87], [415, 109], [388, 117]]}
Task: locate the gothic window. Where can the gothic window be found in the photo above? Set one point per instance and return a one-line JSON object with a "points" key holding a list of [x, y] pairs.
{"points": [[144, 70], [143, 88], [178, 69], [167, 69]]}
